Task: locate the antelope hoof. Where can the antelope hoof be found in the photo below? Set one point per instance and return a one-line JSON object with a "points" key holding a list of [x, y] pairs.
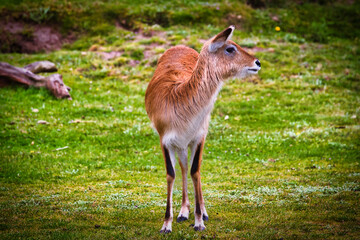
{"points": [[166, 228], [165, 231], [205, 217], [181, 219], [199, 228]]}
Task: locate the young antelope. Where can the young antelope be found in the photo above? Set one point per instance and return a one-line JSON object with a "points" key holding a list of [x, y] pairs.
{"points": [[179, 100]]}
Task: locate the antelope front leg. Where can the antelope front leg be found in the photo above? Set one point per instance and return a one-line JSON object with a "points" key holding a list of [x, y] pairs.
{"points": [[185, 204], [200, 211], [170, 177]]}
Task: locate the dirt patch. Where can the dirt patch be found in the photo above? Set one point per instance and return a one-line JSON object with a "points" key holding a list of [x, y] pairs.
{"points": [[139, 36], [254, 50], [109, 55], [31, 38], [149, 47]]}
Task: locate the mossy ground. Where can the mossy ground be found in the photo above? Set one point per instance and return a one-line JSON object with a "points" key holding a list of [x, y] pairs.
{"points": [[281, 158]]}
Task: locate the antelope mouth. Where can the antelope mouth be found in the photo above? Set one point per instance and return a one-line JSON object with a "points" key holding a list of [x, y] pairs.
{"points": [[253, 70]]}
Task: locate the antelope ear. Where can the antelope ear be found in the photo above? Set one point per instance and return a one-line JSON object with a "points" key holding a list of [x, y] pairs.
{"points": [[219, 40]]}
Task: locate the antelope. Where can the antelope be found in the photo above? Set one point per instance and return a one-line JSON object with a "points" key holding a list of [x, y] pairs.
{"points": [[179, 100]]}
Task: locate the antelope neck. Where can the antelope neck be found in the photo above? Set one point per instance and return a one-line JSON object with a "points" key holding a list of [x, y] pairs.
{"points": [[204, 83]]}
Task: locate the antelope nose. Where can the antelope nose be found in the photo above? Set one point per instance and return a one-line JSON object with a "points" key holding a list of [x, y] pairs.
{"points": [[257, 62]]}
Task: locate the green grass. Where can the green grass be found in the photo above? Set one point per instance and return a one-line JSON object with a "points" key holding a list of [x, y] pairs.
{"points": [[281, 158]]}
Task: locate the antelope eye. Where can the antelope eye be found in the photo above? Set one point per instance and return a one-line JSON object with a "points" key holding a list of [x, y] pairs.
{"points": [[230, 49]]}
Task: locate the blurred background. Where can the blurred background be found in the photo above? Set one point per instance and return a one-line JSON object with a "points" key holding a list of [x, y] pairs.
{"points": [[299, 21]]}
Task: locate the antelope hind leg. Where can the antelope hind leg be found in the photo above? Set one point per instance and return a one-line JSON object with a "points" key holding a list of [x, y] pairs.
{"points": [[185, 204], [200, 211], [169, 156]]}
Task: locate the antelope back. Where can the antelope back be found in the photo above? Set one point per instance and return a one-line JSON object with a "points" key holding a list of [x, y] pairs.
{"points": [[174, 68]]}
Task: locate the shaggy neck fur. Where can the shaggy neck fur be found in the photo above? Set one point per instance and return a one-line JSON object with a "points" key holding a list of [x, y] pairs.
{"points": [[201, 88]]}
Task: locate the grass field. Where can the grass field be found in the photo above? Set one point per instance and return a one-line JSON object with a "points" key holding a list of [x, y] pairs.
{"points": [[281, 159]]}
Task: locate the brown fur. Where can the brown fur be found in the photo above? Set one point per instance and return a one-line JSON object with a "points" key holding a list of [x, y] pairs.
{"points": [[179, 99], [184, 82]]}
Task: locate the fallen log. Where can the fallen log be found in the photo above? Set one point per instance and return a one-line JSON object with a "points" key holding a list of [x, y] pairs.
{"points": [[26, 76], [41, 66]]}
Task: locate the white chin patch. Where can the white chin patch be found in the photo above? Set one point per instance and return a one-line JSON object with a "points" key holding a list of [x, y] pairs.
{"points": [[241, 74], [246, 72]]}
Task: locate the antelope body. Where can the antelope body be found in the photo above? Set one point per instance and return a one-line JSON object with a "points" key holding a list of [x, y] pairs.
{"points": [[179, 100]]}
